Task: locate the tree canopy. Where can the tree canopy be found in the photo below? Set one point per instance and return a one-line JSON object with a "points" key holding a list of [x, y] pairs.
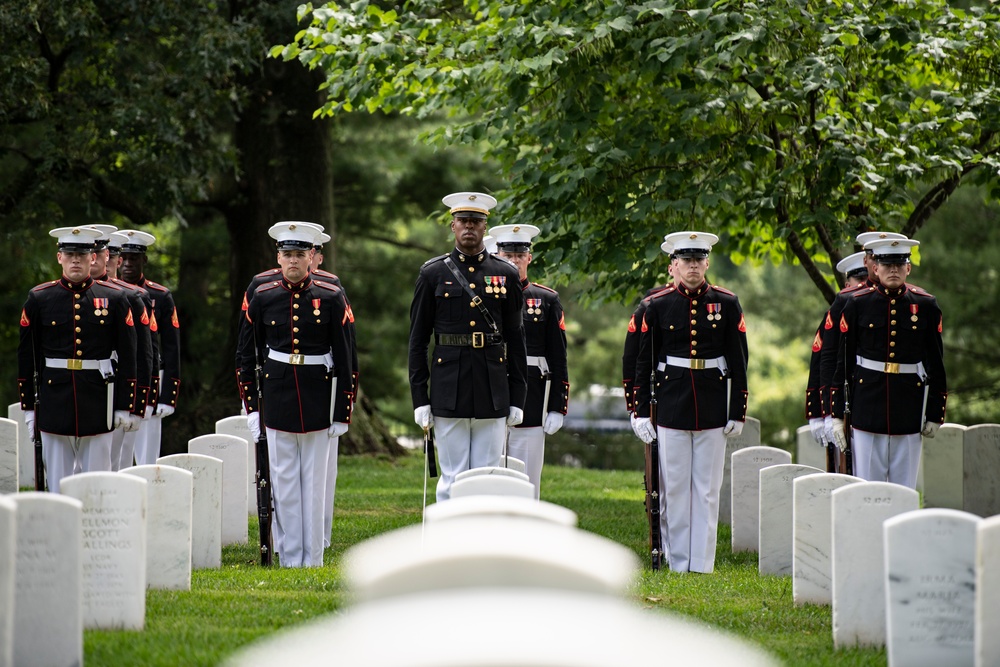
{"points": [[785, 126]]}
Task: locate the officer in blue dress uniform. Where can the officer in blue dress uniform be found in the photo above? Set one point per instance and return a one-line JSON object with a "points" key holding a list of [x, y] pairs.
{"points": [[71, 329], [547, 399], [893, 359], [832, 341], [141, 305], [855, 273], [695, 335], [165, 326], [476, 382], [300, 331]]}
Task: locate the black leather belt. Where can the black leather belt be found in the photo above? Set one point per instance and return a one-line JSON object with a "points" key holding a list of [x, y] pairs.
{"points": [[477, 339]]}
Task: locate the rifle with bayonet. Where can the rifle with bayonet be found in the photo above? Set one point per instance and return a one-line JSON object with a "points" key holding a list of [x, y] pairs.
{"points": [[652, 481], [263, 474], [846, 457]]}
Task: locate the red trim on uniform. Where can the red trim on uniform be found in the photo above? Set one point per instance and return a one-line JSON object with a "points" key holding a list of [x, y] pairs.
{"points": [[644, 327], [743, 324], [817, 342], [562, 321], [631, 324], [25, 322], [941, 324], [128, 318], [145, 317], [828, 324], [843, 324], [152, 322], [173, 319]]}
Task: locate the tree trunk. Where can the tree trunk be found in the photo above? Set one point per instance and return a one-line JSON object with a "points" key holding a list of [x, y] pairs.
{"points": [[287, 175]]}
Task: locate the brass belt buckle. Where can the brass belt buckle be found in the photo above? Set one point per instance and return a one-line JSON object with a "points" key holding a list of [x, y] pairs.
{"points": [[891, 367], [296, 359], [478, 340], [74, 364], [697, 364]]}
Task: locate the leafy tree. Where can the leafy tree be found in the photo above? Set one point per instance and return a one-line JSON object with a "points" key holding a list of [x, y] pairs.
{"points": [[785, 126]]}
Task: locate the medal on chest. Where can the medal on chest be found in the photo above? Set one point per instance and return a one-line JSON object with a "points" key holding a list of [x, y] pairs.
{"points": [[913, 312], [534, 306], [315, 303], [714, 311], [100, 306]]}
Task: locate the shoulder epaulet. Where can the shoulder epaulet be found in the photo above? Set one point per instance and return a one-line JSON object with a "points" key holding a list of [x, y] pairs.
{"points": [[439, 258], [848, 290], [325, 274], [267, 286], [723, 290], [38, 288], [862, 292], [663, 292], [918, 290], [326, 285], [108, 284], [156, 286], [547, 289], [269, 272]]}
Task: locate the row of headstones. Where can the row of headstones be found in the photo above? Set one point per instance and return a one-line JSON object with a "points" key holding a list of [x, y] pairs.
{"points": [[84, 558], [923, 582], [493, 557], [231, 443], [958, 467]]}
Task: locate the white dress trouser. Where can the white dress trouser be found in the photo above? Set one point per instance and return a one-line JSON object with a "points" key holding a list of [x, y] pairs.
{"points": [[298, 482], [117, 438], [528, 445], [886, 458], [147, 441], [691, 466], [463, 444], [66, 455], [331, 487]]}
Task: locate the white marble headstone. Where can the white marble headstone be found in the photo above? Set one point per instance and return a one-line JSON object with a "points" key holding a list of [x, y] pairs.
{"points": [[930, 558], [238, 426], [509, 506], [981, 491], [775, 518], [746, 466], [8, 542], [114, 548], [988, 592], [25, 447], [493, 485], [513, 464], [489, 550], [812, 536], [232, 451], [859, 511], [48, 609], [942, 462], [206, 493], [491, 470], [8, 456], [168, 525], [750, 437], [556, 628], [808, 452]]}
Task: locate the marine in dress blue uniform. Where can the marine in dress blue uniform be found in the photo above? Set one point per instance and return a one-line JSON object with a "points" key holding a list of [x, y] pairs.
{"points": [[893, 359], [71, 329], [547, 398], [141, 305], [165, 326], [300, 329], [855, 273], [476, 381], [694, 336]]}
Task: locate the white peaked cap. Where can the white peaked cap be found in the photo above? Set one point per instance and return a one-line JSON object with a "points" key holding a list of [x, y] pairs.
{"points": [[864, 238], [853, 264], [691, 243], [469, 202], [76, 238], [891, 251], [137, 241], [516, 238], [295, 234]]}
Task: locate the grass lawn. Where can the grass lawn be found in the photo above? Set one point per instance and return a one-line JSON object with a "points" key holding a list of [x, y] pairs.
{"points": [[241, 602]]}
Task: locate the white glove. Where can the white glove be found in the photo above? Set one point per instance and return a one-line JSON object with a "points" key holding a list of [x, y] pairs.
{"points": [[122, 420], [818, 427], [423, 417], [828, 428], [644, 429], [553, 422], [135, 421], [253, 423], [148, 413], [839, 434], [515, 417], [164, 410], [930, 429], [337, 429], [29, 421], [733, 428]]}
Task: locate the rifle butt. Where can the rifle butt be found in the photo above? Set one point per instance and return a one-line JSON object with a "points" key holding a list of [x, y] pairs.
{"points": [[264, 499]]}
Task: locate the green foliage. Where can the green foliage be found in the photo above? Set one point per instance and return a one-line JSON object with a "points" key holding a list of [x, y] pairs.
{"points": [[241, 602], [784, 126]]}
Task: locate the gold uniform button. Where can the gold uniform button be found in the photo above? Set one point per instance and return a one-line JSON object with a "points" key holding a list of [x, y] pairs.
{"points": [[294, 317], [76, 296], [77, 329], [472, 269], [76, 306], [892, 343], [694, 322], [295, 350], [446, 294], [892, 354], [892, 302], [440, 360], [892, 312], [892, 333], [75, 317], [472, 285], [295, 341], [694, 342], [79, 353], [694, 302], [694, 311], [297, 296], [694, 332], [472, 323], [295, 329], [272, 322], [295, 305], [694, 352], [78, 341]]}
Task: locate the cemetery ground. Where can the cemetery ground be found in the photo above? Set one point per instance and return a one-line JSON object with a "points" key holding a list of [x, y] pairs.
{"points": [[241, 602]]}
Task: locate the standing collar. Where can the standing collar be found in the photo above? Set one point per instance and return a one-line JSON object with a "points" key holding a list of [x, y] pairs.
{"points": [[461, 258], [299, 286], [698, 291], [76, 287]]}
